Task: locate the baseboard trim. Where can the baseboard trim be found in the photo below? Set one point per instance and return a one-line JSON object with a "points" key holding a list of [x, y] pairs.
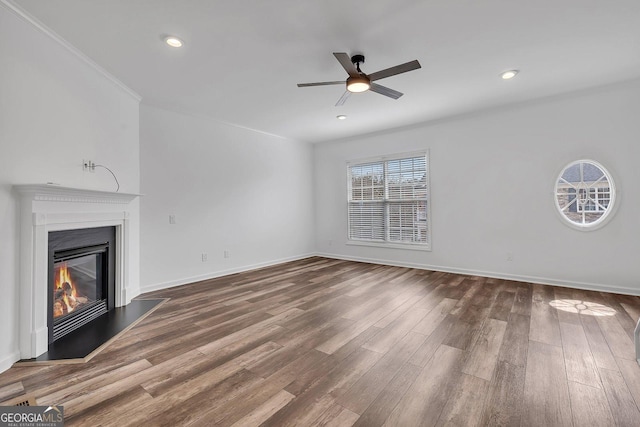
{"points": [[8, 361], [515, 277], [221, 273], [598, 287]]}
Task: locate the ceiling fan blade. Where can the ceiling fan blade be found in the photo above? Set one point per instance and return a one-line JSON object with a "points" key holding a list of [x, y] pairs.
{"points": [[398, 69], [340, 82], [346, 63], [383, 90], [343, 98]]}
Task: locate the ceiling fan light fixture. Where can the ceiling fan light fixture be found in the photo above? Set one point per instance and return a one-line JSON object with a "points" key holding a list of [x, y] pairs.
{"points": [[358, 84]]}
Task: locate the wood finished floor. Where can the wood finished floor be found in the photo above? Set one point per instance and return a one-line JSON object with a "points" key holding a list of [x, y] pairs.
{"points": [[328, 342]]}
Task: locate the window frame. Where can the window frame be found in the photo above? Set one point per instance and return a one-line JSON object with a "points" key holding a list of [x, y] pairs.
{"points": [[386, 202], [612, 205]]}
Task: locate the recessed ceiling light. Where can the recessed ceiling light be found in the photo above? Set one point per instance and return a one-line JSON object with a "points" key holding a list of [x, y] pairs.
{"points": [[509, 74], [341, 117], [173, 41]]}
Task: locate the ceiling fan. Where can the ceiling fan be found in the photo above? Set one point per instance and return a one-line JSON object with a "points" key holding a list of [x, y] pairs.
{"points": [[361, 82]]}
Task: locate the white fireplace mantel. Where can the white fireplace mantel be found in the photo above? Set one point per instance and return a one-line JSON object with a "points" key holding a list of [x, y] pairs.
{"points": [[45, 208]]}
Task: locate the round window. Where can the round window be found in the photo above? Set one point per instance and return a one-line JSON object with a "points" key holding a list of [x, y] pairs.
{"points": [[585, 194]]}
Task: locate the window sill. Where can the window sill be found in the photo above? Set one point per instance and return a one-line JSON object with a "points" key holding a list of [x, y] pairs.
{"points": [[424, 248]]}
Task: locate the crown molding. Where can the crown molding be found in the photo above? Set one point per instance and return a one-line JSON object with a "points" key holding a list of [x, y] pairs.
{"points": [[25, 16]]}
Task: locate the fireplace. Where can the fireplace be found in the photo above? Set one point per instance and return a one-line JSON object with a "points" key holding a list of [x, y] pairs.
{"points": [[81, 278], [48, 209]]}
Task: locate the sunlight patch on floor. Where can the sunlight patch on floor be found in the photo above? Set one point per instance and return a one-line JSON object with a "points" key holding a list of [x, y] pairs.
{"points": [[582, 307]]}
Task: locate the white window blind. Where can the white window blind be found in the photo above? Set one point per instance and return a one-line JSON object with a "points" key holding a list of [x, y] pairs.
{"points": [[388, 200]]}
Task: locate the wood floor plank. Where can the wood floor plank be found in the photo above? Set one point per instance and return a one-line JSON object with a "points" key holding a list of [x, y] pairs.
{"points": [[466, 404], [330, 342], [516, 340], [623, 317], [343, 374], [580, 365], [350, 370], [620, 343], [632, 307], [378, 411], [311, 374], [504, 400], [102, 413], [25, 374], [503, 304], [429, 393], [366, 389], [431, 321], [523, 299], [176, 395], [598, 344], [346, 335], [546, 395], [336, 416], [247, 332], [631, 374], [483, 356], [570, 306], [11, 390], [392, 334], [255, 396], [199, 410], [589, 406], [265, 411], [80, 391], [293, 415], [355, 344], [462, 334], [187, 369], [469, 290], [544, 325], [415, 300], [426, 351], [198, 391], [623, 408]]}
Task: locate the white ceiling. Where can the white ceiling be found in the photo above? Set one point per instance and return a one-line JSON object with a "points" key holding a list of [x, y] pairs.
{"points": [[242, 59]]}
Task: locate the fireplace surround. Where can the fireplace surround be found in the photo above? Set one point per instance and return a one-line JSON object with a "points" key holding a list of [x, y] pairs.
{"points": [[51, 208]]}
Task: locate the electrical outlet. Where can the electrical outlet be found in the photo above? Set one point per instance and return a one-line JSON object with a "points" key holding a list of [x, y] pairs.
{"points": [[227, 254], [88, 166], [172, 219], [204, 257]]}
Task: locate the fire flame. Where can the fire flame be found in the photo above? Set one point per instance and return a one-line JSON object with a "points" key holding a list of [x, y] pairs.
{"points": [[68, 295]]}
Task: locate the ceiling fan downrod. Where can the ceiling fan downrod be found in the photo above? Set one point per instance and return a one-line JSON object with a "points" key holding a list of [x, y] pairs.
{"points": [[356, 60]]}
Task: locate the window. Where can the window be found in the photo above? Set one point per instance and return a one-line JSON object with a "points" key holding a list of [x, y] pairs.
{"points": [[388, 202], [585, 194]]}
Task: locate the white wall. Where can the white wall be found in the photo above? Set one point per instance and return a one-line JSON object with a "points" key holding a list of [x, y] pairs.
{"points": [[55, 110], [229, 188], [492, 178]]}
